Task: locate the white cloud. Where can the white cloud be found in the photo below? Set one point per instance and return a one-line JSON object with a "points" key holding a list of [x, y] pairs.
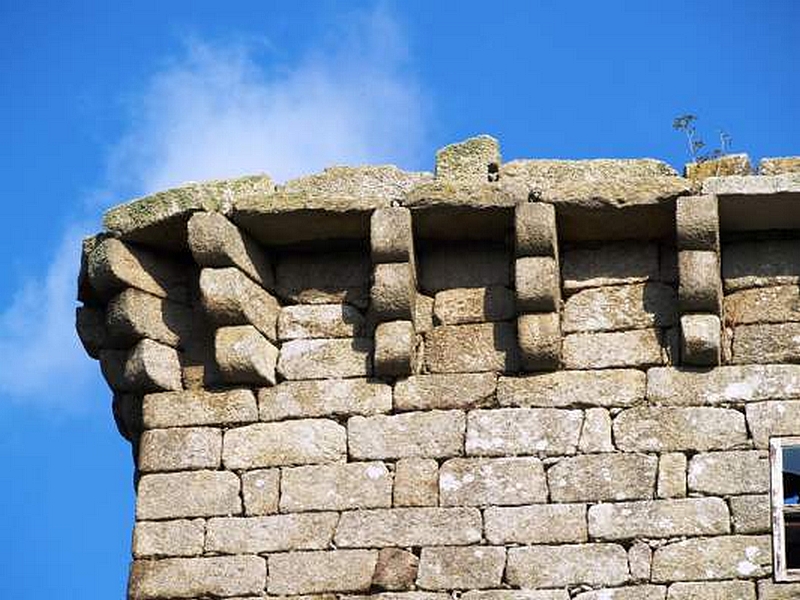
{"points": [[220, 111]]}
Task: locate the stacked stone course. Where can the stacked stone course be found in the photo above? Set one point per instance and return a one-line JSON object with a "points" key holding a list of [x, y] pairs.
{"points": [[542, 380]]}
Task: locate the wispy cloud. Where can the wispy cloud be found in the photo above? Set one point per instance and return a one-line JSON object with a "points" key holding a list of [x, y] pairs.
{"points": [[221, 110]]}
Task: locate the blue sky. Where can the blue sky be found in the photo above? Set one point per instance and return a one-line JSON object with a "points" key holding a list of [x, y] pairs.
{"points": [[102, 102]]}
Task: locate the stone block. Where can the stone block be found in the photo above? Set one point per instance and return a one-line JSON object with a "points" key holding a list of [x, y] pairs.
{"points": [[423, 313], [635, 348], [613, 308], [180, 449], [416, 482], [326, 359], [189, 494], [779, 165], [777, 304], [466, 265], [168, 538], [133, 314], [609, 264], [728, 473], [507, 594], [697, 223], [602, 477], [701, 559], [90, 323], [199, 407], [395, 354], [767, 419], [216, 242], [596, 431], [304, 321], [127, 412], [640, 559], [491, 481], [336, 487], [152, 367], [562, 389], [509, 431], [222, 576], [659, 519], [677, 429], [396, 569], [766, 343], [445, 390], [404, 527], [476, 159], [303, 441], [539, 340], [393, 291], [634, 592], [750, 514], [537, 283], [542, 524], [701, 340], [535, 230], [768, 590], [763, 263], [274, 533], [668, 264], [324, 277], [229, 297], [316, 572], [700, 287], [717, 590], [324, 397], [472, 348], [729, 164], [465, 567], [112, 366], [568, 565], [419, 434], [245, 356], [260, 491], [460, 306], [391, 236], [671, 475], [411, 595], [86, 293]]}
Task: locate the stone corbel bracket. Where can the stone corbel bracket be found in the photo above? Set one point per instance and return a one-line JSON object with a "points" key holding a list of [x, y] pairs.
{"points": [[700, 281]]}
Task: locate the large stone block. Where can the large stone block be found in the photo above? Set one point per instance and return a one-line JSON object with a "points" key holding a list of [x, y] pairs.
{"points": [[701, 340], [472, 348], [728, 473], [602, 477], [559, 566], [768, 590], [260, 491], [275, 533], [766, 343], [419, 434], [409, 527], [507, 594], [777, 304], [168, 538], [539, 340], [723, 166], [336, 487], [219, 576], [542, 524], [316, 572], [727, 557], [473, 265], [189, 494], [634, 592], [472, 160], [324, 277], [700, 287], [750, 514], [668, 429], [396, 569], [636, 348], [391, 236], [326, 359], [609, 264], [507, 431], [608, 388], [416, 482], [180, 449], [199, 407], [393, 291], [304, 321], [304, 441], [90, 323], [697, 223], [133, 314], [659, 519], [613, 308], [324, 397], [766, 419], [760, 263], [445, 390], [537, 283], [466, 567], [245, 356], [535, 229], [716, 590], [491, 481], [395, 349], [152, 367], [779, 165], [460, 306]]}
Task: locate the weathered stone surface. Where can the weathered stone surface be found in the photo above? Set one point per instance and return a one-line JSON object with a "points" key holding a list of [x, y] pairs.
{"points": [[636, 306], [419, 434], [90, 324], [507, 594], [602, 477], [635, 348], [700, 288], [335, 276], [466, 567], [415, 595], [472, 348], [112, 365], [766, 419], [777, 304], [391, 236], [724, 166], [396, 569], [133, 314], [539, 341], [671, 475], [491, 481], [766, 343], [447, 266], [393, 291], [409, 527], [534, 524], [216, 242], [744, 185], [423, 313], [199, 407], [152, 367], [445, 390], [190, 494], [609, 388], [474, 305], [324, 397], [640, 558], [659, 518], [667, 429], [474, 159], [231, 298], [416, 482], [779, 165], [304, 441], [750, 514], [507, 431], [86, 293], [326, 359], [260, 491], [558, 566], [181, 448], [244, 355], [726, 473], [315, 572], [537, 284], [761, 263], [535, 230], [320, 321], [697, 223], [168, 538], [222, 576], [701, 340], [336, 487], [395, 354], [127, 412], [276, 533], [596, 431], [717, 590], [768, 590], [636, 592], [609, 264], [712, 558]]}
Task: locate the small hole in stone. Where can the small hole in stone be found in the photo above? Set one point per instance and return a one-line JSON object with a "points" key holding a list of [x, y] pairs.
{"points": [[493, 171]]}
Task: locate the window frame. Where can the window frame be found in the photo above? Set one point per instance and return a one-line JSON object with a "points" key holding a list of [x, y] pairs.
{"points": [[779, 509]]}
